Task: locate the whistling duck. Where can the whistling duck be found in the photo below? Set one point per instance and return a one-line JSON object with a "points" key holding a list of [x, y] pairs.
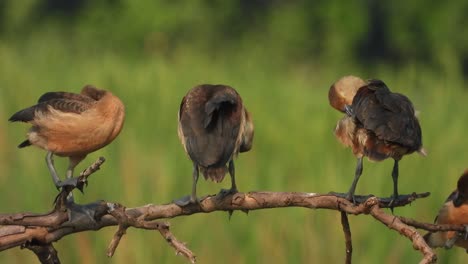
{"points": [[214, 126], [72, 125], [453, 212], [378, 124]]}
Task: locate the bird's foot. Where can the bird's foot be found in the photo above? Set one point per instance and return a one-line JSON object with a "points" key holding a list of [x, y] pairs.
{"points": [[186, 200], [394, 201], [223, 193], [350, 197], [67, 186], [226, 192], [71, 183], [89, 213], [391, 204]]}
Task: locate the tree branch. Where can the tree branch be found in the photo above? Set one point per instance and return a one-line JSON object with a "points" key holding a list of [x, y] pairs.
{"points": [[37, 232], [45, 253], [432, 227], [50, 227], [395, 223], [347, 235], [119, 213]]}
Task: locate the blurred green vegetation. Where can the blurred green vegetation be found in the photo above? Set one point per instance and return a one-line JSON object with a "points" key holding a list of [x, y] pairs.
{"points": [[281, 56]]}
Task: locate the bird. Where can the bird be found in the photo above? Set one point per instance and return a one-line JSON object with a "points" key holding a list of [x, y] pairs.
{"points": [[378, 124], [213, 127], [453, 212], [72, 125]]}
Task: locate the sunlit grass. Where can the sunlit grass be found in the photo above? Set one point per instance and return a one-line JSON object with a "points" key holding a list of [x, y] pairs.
{"points": [[294, 150]]}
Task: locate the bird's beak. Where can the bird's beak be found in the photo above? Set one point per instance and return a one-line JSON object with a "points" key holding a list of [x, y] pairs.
{"points": [[348, 110]]}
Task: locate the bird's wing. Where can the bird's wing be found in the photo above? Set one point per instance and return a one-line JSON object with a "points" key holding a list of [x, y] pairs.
{"points": [[49, 96], [443, 210], [389, 115], [212, 147], [247, 134], [180, 132], [45, 106]]}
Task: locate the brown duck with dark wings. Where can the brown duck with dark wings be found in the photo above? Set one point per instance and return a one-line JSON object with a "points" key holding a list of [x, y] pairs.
{"points": [[378, 124], [72, 125], [453, 212], [214, 126]]}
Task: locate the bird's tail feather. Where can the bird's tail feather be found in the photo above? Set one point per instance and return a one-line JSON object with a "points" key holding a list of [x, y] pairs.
{"points": [[215, 174], [24, 144], [24, 115], [422, 151]]}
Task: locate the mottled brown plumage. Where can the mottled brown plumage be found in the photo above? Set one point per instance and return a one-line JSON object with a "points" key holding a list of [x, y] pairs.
{"points": [[378, 124], [214, 127], [453, 212], [72, 125]]}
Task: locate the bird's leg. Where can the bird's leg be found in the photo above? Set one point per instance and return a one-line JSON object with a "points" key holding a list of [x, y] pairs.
{"points": [[449, 243], [70, 171], [459, 235], [395, 185], [195, 174], [73, 161], [358, 172], [466, 232], [70, 181], [232, 172], [53, 172], [186, 200]]}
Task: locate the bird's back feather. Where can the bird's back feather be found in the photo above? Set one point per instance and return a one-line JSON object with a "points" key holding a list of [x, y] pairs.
{"points": [[61, 101], [389, 115]]}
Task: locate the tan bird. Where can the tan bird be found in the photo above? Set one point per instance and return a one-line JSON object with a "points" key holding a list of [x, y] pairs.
{"points": [[213, 127], [72, 125], [453, 212], [377, 124]]}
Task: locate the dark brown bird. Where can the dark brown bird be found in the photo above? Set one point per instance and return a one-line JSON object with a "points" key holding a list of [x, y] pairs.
{"points": [[378, 124], [72, 125], [213, 127], [453, 212]]}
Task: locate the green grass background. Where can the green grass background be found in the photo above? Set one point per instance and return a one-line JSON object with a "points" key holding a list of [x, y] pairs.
{"points": [[294, 147]]}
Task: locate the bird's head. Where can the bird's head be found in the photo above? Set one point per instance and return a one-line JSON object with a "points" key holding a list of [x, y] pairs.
{"points": [[93, 92], [375, 84], [342, 92], [462, 190]]}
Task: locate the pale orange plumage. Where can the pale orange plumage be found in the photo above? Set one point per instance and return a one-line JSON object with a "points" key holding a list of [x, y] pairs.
{"points": [[72, 125], [453, 212]]}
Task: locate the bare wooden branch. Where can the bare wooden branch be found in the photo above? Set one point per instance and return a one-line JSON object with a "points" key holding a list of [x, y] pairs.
{"points": [[347, 235], [125, 221], [50, 227], [37, 232], [395, 223], [45, 253], [180, 247], [61, 201], [432, 227]]}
